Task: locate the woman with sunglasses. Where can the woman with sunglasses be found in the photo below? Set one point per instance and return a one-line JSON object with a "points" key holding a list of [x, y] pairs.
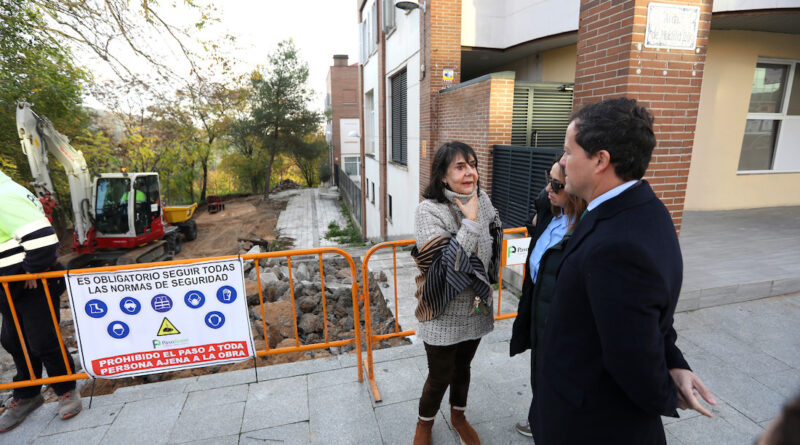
{"points": [[557, 214]]}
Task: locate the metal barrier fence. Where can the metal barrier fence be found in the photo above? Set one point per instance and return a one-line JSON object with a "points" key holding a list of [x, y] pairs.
{"points": [[267, 351], [352, 195], [371, 338]]}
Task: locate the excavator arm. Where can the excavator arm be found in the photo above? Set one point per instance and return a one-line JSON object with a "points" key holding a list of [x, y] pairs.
{"points": [[38, 137]]}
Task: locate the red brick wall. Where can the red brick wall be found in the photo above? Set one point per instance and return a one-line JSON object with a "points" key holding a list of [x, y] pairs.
{"points": [[612, 62], [344, 101], [479, 115], [440, 49]]}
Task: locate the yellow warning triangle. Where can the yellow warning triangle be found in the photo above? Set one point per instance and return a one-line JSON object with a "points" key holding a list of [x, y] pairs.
{"points": [[167, 328]]}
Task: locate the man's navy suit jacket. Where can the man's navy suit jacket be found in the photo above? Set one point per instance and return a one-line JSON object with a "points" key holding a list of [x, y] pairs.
{"points": [[609, 341]]}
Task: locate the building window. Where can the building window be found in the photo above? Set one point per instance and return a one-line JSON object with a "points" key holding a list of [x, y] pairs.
{"points": [[388, 15], [366, 189], [351, 165], [399, 119], [773, 118], [369, 128], [363, 30], [373, 192], [390, 206], [374, 28]]}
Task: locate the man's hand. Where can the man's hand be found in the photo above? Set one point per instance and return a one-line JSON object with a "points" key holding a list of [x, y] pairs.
{"points": [[30, 284], [688, 386]]}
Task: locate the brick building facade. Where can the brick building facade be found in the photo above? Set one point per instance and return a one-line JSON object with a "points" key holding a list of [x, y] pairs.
{"points": [[600, 47], [341, 103]]}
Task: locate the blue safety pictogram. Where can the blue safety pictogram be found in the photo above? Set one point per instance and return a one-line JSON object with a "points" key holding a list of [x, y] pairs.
{"points": [[194, 299], [118, 329], [226, 294], [215, 320], [161, 303], [96, 308], [130, 306]]}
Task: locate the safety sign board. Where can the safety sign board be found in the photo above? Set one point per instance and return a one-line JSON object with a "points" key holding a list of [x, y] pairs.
{"points": [[515, 251], [158, 319]]}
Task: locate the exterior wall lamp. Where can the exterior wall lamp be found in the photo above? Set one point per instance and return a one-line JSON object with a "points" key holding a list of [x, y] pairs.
{"points": [[410, 5]]}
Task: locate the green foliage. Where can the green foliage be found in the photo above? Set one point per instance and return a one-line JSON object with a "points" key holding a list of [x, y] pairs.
{"points": [[280, 102], [349, 235], [325, 171], [37, 70], [308, 154]]}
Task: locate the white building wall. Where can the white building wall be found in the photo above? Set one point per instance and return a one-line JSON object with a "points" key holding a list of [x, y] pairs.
{"points": [[371, 166], [745, 5], [402, 51], [372, 171], [402, 181], [349, 144], [505, 23]]}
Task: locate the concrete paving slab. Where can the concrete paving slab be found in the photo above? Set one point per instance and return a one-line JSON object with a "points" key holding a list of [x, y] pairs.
{"points": [[739, 390], [215, 397], [227, 440], [222, 379], [727, 426], [276, 402], [501, 431], [672, 440], [785, 383], [142, 392], [356, 424], [266, 373], [201, 423], [36, 422], [398, 421], [398, 353], [291, 434], [398, 381], [101, 415], [85, 436], [148, 421], [332, 378]]}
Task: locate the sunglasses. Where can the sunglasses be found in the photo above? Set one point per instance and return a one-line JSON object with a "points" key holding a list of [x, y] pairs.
{"points": [[554, 184]]}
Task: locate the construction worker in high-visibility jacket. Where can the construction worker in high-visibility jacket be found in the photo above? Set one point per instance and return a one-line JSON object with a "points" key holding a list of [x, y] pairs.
{"points": [[28, 244]]}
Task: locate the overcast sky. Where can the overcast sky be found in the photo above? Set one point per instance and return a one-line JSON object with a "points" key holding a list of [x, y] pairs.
{"points": [[319, 28]]}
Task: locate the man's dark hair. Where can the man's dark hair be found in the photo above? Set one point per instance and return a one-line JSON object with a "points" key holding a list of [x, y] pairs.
{"points": [[441, 160], [787, 430], [621, 127]]}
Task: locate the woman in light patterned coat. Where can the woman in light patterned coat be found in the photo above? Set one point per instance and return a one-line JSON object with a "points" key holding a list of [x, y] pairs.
{"points": [[458, 237]]}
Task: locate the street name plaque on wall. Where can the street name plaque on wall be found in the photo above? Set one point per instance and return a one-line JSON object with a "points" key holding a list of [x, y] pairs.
{"points": [[671, 26]]}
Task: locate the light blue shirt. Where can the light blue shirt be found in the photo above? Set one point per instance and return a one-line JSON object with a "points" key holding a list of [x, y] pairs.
{"points": [[613, 193], [553, 233]]}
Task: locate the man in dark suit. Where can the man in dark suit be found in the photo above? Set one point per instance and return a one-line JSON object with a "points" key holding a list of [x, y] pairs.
{"points": [[611, 367]]}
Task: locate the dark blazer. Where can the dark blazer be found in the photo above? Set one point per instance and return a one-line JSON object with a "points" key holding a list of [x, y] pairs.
{"points": [[609, 341], [535, 299]]}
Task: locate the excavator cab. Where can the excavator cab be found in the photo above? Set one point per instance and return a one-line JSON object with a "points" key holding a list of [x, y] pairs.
{"points": [[111, 209], [127, 209]]}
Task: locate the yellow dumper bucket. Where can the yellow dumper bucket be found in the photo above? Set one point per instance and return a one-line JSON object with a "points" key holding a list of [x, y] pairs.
{"points": [[176, 214]]}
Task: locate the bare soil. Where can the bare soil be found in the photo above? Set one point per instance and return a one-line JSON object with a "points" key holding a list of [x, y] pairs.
{"points": [[218, 233]]}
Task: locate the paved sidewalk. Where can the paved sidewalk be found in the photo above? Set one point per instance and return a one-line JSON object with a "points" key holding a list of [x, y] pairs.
{"points": [[747, 354], [307, 215]]}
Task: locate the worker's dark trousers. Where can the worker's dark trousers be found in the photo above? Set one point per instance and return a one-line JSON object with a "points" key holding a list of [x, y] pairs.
{"points": [[36, 324]]}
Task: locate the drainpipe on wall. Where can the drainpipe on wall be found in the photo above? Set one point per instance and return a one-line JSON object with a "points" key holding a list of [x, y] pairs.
{"points": [[382, 115]]}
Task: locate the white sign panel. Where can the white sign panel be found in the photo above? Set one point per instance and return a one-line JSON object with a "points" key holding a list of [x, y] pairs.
{"points": [[516, 251], [671, 26], [143, 321]]}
